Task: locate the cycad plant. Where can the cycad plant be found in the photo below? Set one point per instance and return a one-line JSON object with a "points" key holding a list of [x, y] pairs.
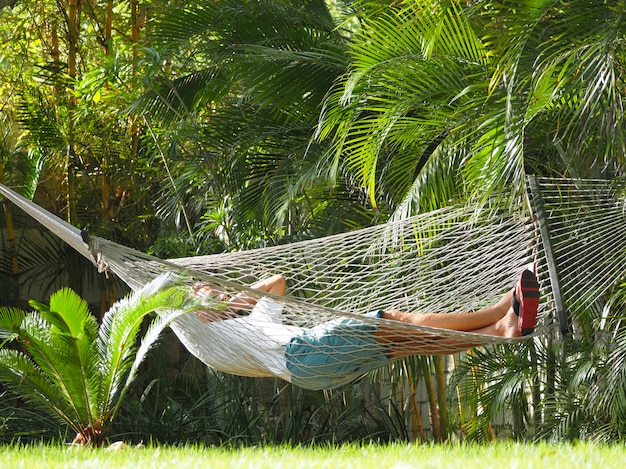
{"points": [[58, 358]]}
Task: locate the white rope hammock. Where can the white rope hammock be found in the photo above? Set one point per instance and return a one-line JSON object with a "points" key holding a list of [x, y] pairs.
{"points": [[449, 260]]}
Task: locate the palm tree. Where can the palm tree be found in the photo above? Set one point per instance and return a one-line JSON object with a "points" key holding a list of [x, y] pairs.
{"points": [[57, 357], [549, 390], [446, 97], [237, 120], [440, 100]]}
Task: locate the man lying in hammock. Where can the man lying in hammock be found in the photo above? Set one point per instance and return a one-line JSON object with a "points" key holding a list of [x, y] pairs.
{"points": [[337, 351]]}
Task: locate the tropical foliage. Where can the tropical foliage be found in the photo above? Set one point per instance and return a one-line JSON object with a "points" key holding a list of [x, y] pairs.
{"points": [[442, 99], [241, 115], [554, 389], [199, 127], [58, 359]]}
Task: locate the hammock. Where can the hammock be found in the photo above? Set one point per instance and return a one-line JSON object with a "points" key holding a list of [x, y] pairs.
{"points": [[448, 260]]}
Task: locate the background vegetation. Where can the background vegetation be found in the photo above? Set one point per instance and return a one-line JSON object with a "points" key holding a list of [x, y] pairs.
{"points": [[181, 128]]}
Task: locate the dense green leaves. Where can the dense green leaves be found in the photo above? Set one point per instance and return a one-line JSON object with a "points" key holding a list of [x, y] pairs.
{"points": [[197, 127], [76, 371], [497, 88], [241, 114]]}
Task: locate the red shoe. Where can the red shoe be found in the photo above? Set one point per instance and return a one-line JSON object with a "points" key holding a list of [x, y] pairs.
{"points": [[526, 302]]}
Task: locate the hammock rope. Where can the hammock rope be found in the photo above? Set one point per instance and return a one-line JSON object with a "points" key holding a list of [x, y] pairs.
{"points": [[449, 260], [587, 232]]}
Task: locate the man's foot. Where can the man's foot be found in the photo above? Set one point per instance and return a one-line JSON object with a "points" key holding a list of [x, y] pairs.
{"points": [[525, 302]]}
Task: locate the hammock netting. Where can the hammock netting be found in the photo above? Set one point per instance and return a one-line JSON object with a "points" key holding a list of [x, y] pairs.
{"points": [[455, 259]]}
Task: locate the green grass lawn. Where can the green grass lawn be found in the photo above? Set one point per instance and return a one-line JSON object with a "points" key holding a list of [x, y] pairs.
{"points": [[399, 456]]}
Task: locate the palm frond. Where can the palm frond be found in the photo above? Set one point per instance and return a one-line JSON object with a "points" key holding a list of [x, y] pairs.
{"points": [[588, 97], [491, 380], [37, 115], [69, 313], [173, 298], [177, 99], [438, 180], [117, 341], [258, 74], [48, 264], [10, 322], [52, 362], [497, 160], [20, 374], [74, 326], [406, 89], [296, 53], [607, 390], [563, 65], [21, 166], [56, 357], [240, 20]]}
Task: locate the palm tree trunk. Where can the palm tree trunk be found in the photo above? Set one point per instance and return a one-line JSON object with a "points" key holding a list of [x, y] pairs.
{"points": [[137, 19], [536, 387], [105, 193], [416, 414], [108, 26]]}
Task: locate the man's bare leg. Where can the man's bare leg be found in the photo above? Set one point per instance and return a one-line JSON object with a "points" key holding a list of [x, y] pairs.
{"points": [[497, 320], [276, 284], [465, 322]]}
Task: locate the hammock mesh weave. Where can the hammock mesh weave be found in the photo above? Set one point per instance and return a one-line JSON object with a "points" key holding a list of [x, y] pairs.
{"points": [[449, 260]]}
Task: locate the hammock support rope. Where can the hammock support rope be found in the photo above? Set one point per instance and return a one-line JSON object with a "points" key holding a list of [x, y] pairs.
{"points": [[449, 260]]}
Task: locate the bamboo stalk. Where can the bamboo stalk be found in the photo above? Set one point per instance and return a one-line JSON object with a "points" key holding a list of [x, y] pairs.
{"points": [[440, 376], [15, 266], [108, 27], [72, 38], [432, 400]]}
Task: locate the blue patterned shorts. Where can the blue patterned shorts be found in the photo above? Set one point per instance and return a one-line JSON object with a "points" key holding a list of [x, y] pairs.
{"points": [[335, 353]]}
